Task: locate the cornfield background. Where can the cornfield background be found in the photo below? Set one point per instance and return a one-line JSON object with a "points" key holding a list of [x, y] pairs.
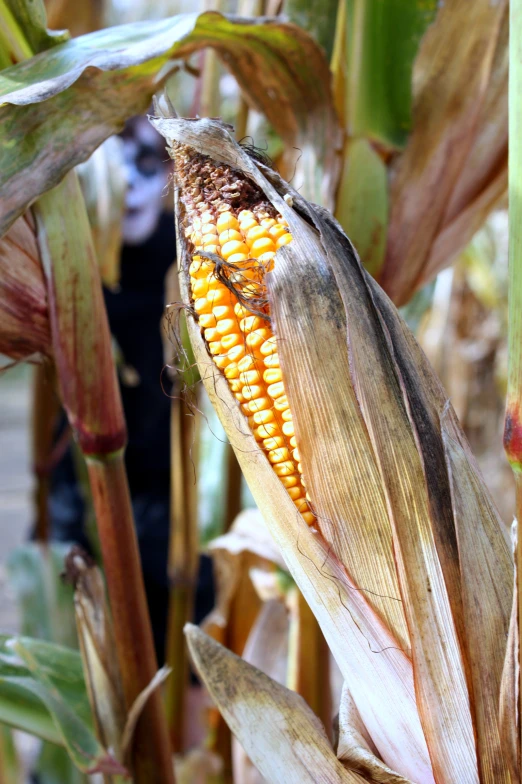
{"points": [[358, 513]]}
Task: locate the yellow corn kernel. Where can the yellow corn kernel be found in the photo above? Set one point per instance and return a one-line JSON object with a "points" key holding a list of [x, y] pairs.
{"points": [[236, 258], [293, 442], [279, 455], [256, 338], [227, 341], [274, 442], [234, 246], [250, 377], [287, 415], [247, 224], [247, 363], [199, 268], [260, 404], [268, 430], [221, 296], [294, 492], [261, 246], [239, 396], [267, 222], [288, 428], [232, 371], [254, 234], [246, 410], [228, 235], [235, 385], [269, 346], [221, 360], [281, 404], [308, 517], [209, 239], [277, 231], [241, 311], [271, 361], [214, 346], [276, 390], [284, 239], [223, 312], [296, 455], [226, 326], [291, 480], [207, 320], [200, 288], [262, 417], [245, 214], [202, 305], [252, 392], [226, 221], [211, 334], [250, 323], [236, 353], [272, 375], [285, 468], [301, 504]]}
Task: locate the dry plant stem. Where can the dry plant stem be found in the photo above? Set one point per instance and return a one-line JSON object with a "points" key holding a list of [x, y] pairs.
{"points": [[513, 425], [308, 660], [90, 395], [111, 498], [183, 561], [233, 488]]}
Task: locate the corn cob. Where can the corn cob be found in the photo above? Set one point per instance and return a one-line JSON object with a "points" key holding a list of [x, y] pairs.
{"points": [[224, 214]]}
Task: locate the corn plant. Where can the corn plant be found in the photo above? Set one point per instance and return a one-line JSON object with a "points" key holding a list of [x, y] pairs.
{"points": [[391, 533]]}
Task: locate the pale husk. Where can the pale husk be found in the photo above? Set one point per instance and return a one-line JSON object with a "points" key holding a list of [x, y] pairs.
{"points": [[382, 454]]}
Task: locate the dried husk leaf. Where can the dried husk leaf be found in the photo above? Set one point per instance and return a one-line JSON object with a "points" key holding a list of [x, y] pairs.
{"points": [[266, 649], [510, 687], [382, 684], [454, 167], [24, 317], [432, 612], [97, 646], [355, 748], [289, 744]]}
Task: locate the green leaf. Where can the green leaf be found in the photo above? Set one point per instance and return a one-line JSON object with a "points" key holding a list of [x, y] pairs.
{"points": [[362, 202], [54, 766], [42, 690], [383, 39], [44, 600], [66, 101], [318, 17], [26, 21], [10, 767]]}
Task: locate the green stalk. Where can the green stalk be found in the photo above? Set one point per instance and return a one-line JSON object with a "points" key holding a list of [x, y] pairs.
{"points": [[513, 423], [91, 398]]}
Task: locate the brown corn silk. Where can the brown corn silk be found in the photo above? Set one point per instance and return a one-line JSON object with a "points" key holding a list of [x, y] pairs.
{"points": [[233, 234]]}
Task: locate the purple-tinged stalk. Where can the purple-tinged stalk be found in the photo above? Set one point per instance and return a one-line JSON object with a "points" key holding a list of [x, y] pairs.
{"points": [[90, 395]]}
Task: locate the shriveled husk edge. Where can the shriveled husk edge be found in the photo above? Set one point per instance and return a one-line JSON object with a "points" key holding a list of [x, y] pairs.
{"points": [[379, 675], [289, 744]]}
